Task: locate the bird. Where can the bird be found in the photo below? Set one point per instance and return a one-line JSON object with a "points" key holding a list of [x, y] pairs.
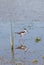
{"points": [[22, 47], [21, 33]]}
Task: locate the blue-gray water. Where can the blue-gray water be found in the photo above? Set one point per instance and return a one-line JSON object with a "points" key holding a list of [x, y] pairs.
{"points": [[36, 49], [22, 10], [24, 14]]}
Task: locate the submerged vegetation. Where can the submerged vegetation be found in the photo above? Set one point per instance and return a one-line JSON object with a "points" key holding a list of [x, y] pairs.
{"points": [[42, 57], [35, 61], [12, 38], [37, 39], [19, 63]]}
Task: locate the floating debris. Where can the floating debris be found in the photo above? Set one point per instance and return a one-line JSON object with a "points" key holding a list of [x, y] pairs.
{"points": [[37, 39], [22, 47], [42, 57], [35, 61]]}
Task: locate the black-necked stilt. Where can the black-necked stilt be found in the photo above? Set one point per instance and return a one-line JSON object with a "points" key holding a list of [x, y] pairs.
{"points": [[21, 33]]}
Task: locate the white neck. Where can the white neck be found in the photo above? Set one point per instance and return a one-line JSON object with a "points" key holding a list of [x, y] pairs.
{"points": [[25, 30]]}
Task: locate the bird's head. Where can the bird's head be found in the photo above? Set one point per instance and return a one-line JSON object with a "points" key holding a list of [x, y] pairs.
{"points": [[25, 30]]}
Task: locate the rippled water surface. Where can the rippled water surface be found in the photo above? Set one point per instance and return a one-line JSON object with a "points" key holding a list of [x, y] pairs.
{"points": [[35, 53]]}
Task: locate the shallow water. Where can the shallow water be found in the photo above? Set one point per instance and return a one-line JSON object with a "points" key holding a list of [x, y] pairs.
{"points": [[35, 51]]}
